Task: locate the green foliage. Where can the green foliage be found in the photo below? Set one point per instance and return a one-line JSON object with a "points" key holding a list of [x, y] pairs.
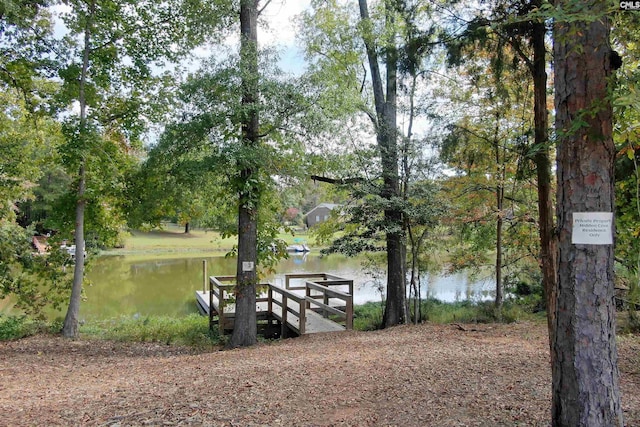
{"points": [[16, 327], [27, 51], [493, 194], [35, 282], [26, 144], [198, 170], [626, 105], [192, 330], [368, 317], [104, 197], [436, 311], [525, 289]]}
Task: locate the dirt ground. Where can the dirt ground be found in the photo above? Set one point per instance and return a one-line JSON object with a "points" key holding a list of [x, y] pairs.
{"points": [[427, 375]]}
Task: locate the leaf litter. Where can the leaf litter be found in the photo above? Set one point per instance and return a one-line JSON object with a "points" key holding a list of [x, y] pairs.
{"points": [[425, 375]]}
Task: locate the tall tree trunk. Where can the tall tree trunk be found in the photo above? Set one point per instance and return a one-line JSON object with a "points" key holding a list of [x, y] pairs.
{"points": [[501, 175], [499, 229], [186, 227], [245, 326], [542, 159], [585, 374], [70, 326], [396, 306]]}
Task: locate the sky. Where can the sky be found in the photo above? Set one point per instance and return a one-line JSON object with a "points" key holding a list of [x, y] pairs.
{"points": [[279, 32]]}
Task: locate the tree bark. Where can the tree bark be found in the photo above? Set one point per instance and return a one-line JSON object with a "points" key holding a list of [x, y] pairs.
{"points": [[542, 159], [386, 136], [501, 175], [499, 228], [70, 325], [245, 326], [585, 374]]}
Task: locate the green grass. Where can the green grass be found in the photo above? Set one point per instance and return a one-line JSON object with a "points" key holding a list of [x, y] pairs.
{"points": [[192, 330], [369, 316], [172, 239]]}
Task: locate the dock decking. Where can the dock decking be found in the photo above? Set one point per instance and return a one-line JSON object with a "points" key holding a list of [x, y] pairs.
{"points": [[304, 312]]}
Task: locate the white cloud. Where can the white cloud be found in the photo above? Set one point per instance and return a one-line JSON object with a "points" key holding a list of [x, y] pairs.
{"points": [[280, 32], [280, 15]]}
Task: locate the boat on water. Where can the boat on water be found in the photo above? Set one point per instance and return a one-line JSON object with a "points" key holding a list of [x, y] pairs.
{"points": [[298, 248]]}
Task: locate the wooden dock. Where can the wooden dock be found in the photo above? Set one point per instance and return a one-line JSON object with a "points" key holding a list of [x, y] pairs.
{"points": [[301, 309]]}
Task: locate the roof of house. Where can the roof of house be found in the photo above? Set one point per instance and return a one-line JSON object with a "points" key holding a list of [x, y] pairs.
{"points": [[330, 206]]}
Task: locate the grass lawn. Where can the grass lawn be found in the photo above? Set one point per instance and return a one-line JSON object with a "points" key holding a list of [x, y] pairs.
{"points": [[172, 239]]}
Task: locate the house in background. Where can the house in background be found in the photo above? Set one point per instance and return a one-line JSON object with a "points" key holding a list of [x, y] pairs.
{"points": [[319, 214]]}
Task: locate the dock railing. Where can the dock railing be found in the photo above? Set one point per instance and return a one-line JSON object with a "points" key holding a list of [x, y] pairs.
{"points": [[318, 296], [326, 308], [283, 303], [223, 292], [288, 278]]}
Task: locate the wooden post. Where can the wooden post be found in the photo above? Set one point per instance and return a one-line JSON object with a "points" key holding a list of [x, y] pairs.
{"points": [[349, 313], [221, 302], [210, 306], [283, 325], [204, 275], [325, 300], [303, 317]]}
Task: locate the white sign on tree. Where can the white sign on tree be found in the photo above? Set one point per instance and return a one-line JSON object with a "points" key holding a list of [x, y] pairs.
{"points": [[592, 228]]}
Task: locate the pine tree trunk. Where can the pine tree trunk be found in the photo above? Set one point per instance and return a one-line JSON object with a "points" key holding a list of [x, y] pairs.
{"points": [[245, 326], [498, 265], [542, 159], [501, 175], [585, 375]]}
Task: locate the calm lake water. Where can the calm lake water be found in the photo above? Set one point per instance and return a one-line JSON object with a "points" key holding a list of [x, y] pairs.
{"points": [[122, 285]]}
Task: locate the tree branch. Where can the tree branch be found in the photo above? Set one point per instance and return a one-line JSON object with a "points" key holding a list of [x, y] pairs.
{"points": [[340, 181], [263, 7]]}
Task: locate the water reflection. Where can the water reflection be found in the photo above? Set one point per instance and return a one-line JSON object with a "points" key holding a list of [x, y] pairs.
{"points": [[123, 285]]}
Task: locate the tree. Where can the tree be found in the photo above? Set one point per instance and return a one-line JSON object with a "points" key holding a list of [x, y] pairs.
{"points": [[626, 106], [172, 184], [386, 136], [27, 51], [238, 134], [110, 46], [585, 374], [521, 25], [27, 141], [487, 146], [364, 75], [426, 207], [245, 326]]}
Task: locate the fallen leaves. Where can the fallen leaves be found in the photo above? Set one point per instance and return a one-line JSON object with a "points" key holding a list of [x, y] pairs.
{"points": [[426, 375]]}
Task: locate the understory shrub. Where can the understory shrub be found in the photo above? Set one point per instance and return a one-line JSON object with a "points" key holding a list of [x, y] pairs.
{"points": [[16, 327], [368, 317]]}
